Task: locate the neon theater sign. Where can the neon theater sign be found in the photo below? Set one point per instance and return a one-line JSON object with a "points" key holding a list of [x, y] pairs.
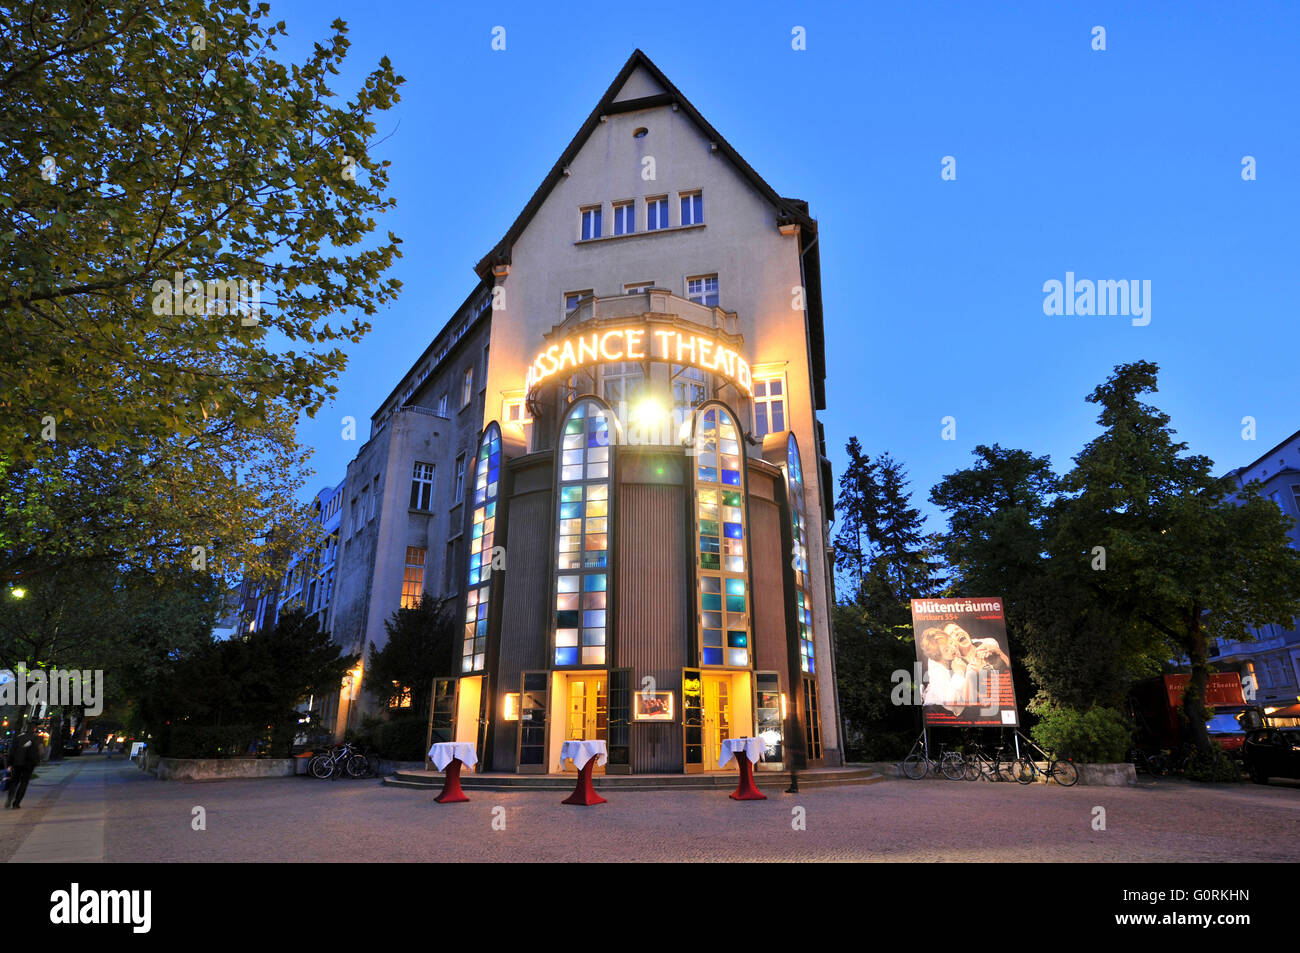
{"points": [[641, 343]]}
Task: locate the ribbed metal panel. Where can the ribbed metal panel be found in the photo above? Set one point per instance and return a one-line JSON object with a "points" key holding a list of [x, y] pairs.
{"points": [[770, 636], [653, 609], [523, 614]]}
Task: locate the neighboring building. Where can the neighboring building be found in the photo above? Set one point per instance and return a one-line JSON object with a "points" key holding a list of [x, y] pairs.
{"points": [[227, 624], [1274, 657], [401, 530], [308, 581], [629, 489]]}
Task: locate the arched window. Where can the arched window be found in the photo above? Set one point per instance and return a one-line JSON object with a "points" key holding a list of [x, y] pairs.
{"points": [[582, 541], [721, 571], [799, 530], [487, 475]]}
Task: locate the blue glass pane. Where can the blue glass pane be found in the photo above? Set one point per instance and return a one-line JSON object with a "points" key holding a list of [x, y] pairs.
{"points": [[712, 656], [570, 510], [713, 602], [737, 640], [735, 603], [731, 477], [708, 474], [735, 587], [713, 638], [733, 531], [569, 494], [594, 583], [566, 656]]}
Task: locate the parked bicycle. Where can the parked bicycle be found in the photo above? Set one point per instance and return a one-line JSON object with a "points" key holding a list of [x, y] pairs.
{"points": [[343, 761], [1063, 773], [918, 764], [999, 766]]}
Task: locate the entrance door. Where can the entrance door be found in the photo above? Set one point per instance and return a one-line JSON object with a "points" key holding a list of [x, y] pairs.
{"points": [[587, 709], [533, 697], [717, 717]]}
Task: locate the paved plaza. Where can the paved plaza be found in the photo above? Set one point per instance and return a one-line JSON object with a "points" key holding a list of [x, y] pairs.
{"points": [[89, 809]]}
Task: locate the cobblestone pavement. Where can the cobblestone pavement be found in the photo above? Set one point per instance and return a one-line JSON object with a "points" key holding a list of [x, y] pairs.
{"points": [[89, 809]]}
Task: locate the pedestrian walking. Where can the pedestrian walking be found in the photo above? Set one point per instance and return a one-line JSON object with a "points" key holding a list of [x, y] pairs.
{"points": [[24, 756]]}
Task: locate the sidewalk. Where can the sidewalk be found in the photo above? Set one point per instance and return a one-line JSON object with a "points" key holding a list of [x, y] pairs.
{"points": [[62, 817]]}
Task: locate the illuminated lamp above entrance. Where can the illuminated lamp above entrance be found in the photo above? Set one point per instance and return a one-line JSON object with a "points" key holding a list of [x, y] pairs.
{"points": [[640, 342]]}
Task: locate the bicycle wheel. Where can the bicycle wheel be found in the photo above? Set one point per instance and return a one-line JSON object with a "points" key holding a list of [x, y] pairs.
{"points": [[915, 766], [358, 766], [321, 767], [972, 771], [1064, 772], [952, 765], [1024, 771], [1004, 771]]}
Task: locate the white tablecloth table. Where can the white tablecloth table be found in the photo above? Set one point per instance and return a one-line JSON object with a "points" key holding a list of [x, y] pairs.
{"points": [[448, 756], [583, 751], [747, 751], [586, 755], [442, 753]]}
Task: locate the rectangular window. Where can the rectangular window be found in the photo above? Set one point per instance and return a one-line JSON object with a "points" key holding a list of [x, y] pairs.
{"points": [[703, 289], [692, 208], [458, 490], [769, 405], [467, 391], [485, 365], [515, 411], [413, 577], [422, 486], [624, 218], [591, 222], [638, 287], [442, 406], [359, 517], [374, 501], [573, 298], [656, 213]]}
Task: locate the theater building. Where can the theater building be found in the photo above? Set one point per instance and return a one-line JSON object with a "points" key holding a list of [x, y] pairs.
{"points": [[643, 548]]}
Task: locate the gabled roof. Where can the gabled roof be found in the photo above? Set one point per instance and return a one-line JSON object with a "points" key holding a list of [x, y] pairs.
{"points": [[789, 211]]}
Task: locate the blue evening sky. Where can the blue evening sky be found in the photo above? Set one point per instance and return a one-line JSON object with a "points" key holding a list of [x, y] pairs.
{"points": [[1122, 164]]}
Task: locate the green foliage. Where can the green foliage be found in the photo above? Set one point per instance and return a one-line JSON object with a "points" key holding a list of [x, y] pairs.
{"points": [[253, 680], [1214, 765], [208, 741], [419, 649], [1096, 735], [173, 153]]}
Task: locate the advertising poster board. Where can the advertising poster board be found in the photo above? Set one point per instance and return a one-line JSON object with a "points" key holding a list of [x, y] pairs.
{"points": [[964, 662]]}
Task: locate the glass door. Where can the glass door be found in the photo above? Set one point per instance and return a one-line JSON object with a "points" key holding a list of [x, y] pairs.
{"points": [[620, 720], [717, 717], [767, 718], [587, 710], [692, 721], [442, 715], [533, 697], [812, 718], [484, 723]]}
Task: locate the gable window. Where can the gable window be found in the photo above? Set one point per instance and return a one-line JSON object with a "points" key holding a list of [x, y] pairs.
{"points": [[591, 222], [422, 486], [769, 405], [442, 406], [703, 290], [656, 213], [692, 208], [638, 287], [467, 391], [458, 490], [574, 298], [624, 218], [413, 577]]}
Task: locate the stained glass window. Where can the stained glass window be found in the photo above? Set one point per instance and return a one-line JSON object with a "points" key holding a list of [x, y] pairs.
{"points": [[582, 535], [799, 528], [721, 573], [487, 475]]}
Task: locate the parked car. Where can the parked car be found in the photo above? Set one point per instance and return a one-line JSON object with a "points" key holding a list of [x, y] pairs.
{"points": [[1271, 753], [71, 748]]}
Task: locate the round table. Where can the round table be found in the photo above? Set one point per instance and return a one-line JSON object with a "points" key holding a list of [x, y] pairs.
{"points": [[448, 756], [747, 751], [586, 755]]}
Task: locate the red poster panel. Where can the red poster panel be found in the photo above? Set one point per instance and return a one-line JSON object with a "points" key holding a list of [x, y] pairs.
{"points": [[961, 646]]}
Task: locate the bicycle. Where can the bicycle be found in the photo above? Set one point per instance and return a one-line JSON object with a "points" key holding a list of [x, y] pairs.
{"points": [[342, 760], [917, 764], [999, 766], [1063, 773]]}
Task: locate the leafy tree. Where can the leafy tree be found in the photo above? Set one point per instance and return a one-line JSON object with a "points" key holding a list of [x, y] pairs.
{"points": [[419, 650], [139, 142], [890, 562], [1182, 559]]}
